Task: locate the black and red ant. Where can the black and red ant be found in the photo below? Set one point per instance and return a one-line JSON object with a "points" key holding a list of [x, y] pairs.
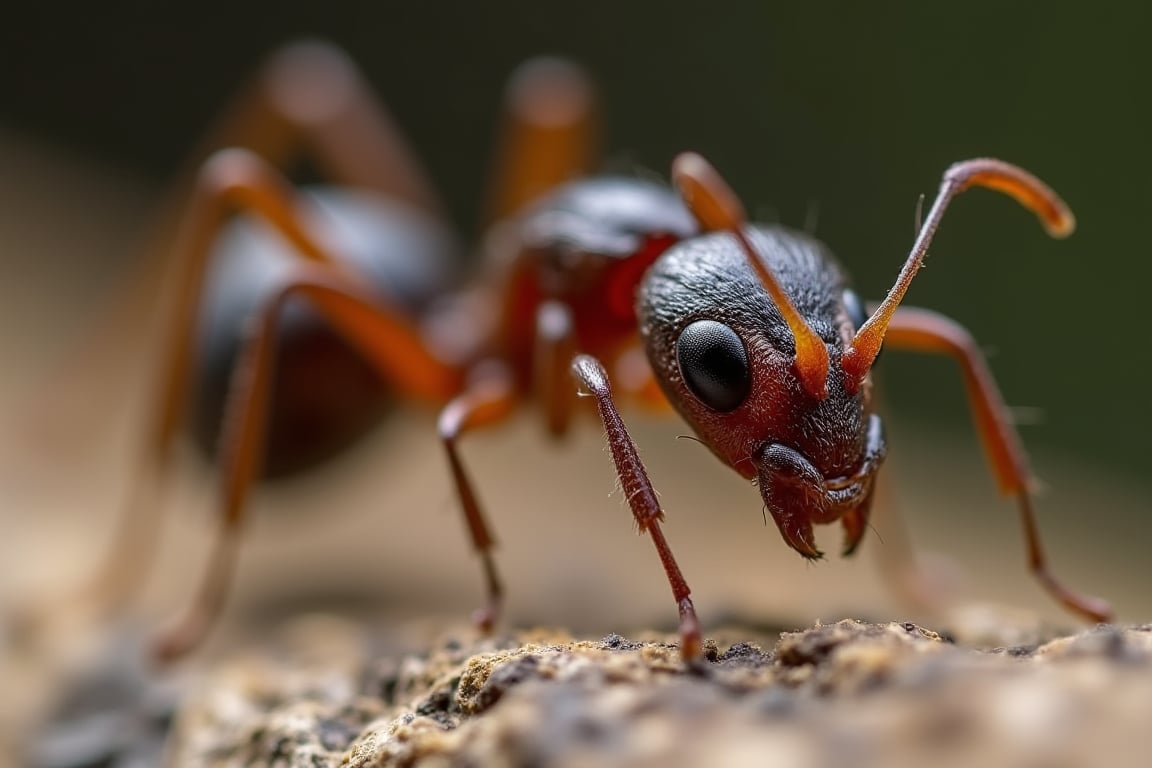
{"points": [[751, 332]]}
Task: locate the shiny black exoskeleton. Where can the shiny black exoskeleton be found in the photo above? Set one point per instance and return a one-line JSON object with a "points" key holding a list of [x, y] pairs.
{"points": [[326, 395], [727, 354]]}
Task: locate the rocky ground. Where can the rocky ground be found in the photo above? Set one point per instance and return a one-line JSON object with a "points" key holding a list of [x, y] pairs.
{"points": [[842, 694]]}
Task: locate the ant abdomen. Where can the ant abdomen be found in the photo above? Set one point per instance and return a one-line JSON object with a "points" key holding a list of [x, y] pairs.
{"points": [[325, 395]]}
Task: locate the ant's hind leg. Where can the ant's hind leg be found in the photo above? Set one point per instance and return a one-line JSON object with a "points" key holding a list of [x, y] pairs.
{"points": [[229, 181], [925, 331], [921, 581], [489, 397], [308, 100], [380, 333]]}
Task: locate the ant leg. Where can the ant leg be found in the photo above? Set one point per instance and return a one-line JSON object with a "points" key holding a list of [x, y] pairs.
{"points": [[640, 495], [230, 180], [380, 333], [311, 96], [308, 98], [555, 348], [488, 398], [549, 134], [926, 331]]}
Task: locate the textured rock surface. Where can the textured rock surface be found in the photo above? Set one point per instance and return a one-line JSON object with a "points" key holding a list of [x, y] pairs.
{"points": [[843, 694]]}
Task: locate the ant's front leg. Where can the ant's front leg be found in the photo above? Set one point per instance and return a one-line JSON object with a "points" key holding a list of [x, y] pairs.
{"points": [[926, 331], [640, 495]]}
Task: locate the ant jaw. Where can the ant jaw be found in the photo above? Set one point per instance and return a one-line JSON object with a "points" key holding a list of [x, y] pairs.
{"points": [[790, 486], [798, 496]]}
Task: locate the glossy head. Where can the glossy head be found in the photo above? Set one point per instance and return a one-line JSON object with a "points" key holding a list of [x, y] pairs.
{"points": [[760, 345], [725, 358]]}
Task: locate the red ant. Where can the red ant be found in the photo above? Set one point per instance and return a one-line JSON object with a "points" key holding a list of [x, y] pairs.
{"points": [[751, 332], [380, 239]]}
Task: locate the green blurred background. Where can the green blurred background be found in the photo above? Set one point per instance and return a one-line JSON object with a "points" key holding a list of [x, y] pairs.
{"points": [[854, 108]]}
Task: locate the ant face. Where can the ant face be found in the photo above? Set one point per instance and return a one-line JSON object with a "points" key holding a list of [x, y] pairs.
{"points": [[726, 360]]}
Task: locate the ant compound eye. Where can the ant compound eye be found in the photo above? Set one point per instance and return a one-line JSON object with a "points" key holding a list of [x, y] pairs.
{"points": [[855, 308], [714, 364]]}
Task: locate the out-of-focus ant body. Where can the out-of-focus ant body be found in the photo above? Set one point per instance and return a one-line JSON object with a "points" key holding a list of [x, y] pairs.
{"points": [[751, 332]]}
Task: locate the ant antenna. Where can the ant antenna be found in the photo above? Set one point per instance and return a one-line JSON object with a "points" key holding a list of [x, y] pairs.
{"points": [[717, 208], [1028, 190]]}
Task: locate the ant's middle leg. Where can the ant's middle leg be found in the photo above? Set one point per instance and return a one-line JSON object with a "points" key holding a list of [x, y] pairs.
{"points": [[489, 397]]}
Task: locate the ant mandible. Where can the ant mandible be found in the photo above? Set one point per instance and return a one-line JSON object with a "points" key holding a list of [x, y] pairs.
{"points": [[751, 333]]}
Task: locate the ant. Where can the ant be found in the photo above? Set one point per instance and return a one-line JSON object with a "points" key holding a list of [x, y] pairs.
{"points": [[751, 333], [250, 248]]}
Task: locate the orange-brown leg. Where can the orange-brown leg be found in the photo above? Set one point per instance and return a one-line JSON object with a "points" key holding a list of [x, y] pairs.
{"points": [[550, 134], [308, 99], [229, 181], [552, 380], [232, 180], [926, 331], [641, 496], [489, 397], [382, 335]]}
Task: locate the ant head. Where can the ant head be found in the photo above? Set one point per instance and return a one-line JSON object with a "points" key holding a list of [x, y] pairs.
{"points": [[725, 358], [776, 381]]}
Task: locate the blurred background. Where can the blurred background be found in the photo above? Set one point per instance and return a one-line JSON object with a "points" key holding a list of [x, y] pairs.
{"points": [[843, 111]]}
